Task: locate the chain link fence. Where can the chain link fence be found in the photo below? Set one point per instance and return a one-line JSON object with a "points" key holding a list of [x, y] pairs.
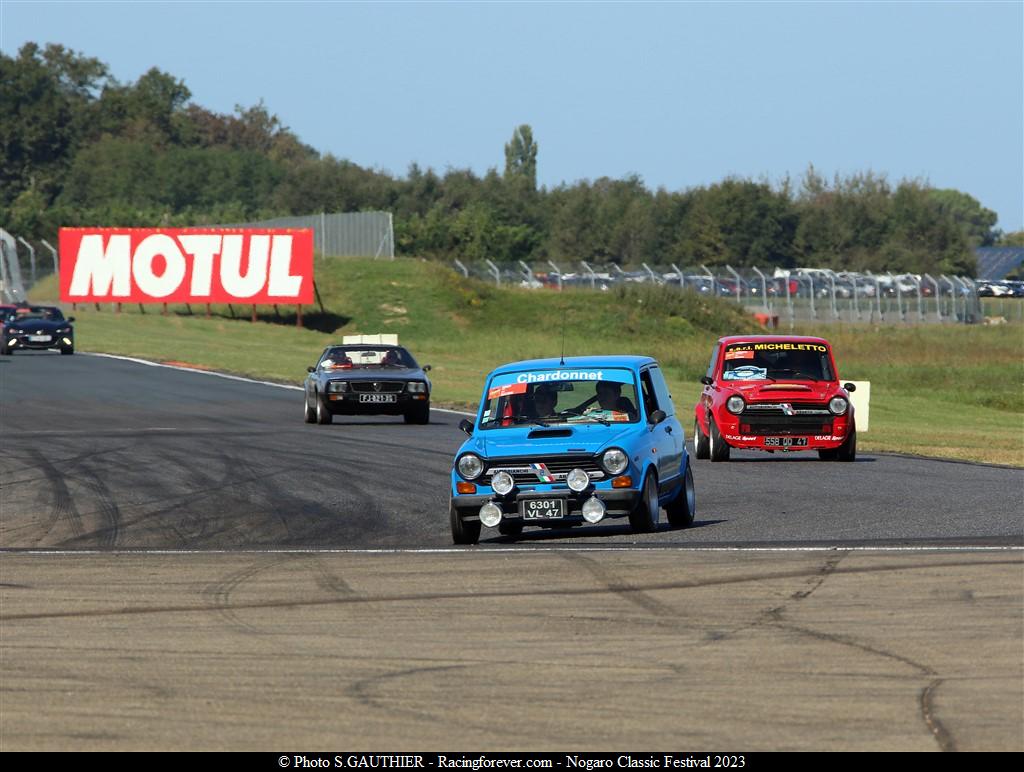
{"points": [[782, 297]]}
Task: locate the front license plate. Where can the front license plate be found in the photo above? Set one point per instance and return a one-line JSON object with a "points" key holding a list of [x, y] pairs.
{"points": [[785, 442], [542, 509], [386, 398], [39, 338]]}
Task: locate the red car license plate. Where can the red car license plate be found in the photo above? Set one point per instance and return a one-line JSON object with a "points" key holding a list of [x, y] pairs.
{"points": [[785, 442]]}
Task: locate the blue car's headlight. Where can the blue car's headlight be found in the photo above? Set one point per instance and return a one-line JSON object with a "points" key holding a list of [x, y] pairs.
{"points": [[614, 461], [336, 386], [470, 466], [417, 387]]}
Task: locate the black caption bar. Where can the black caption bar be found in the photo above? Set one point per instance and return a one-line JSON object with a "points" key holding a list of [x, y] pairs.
{"points": [[505, 761]]}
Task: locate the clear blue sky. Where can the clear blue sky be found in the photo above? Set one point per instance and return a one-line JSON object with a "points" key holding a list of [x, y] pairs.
{"points": [[682, 94]]}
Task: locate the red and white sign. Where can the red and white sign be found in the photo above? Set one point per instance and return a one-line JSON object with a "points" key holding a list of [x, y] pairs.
{"points": [[186, 265]]}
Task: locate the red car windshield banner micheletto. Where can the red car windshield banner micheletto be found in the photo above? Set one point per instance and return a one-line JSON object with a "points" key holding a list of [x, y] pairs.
{"points": [[186, 265]]}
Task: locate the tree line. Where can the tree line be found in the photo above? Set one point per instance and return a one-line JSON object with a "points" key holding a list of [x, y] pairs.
{"points": [[81, 148]]}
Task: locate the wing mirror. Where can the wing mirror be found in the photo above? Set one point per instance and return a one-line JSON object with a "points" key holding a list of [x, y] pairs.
{"points": [[707, 380], [850, 387], [657, 417], [426, 368], [310, 369], [466, 426], [71, 318]]}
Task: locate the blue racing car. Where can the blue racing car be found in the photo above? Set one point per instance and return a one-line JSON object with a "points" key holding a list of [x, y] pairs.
{"points": [[563, 442]]}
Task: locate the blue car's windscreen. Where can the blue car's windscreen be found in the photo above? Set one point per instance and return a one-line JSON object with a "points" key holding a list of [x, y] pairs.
{"points": [[565, 396]]}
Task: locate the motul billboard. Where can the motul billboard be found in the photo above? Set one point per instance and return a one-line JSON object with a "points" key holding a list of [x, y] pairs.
{"points": [[186, 265]]}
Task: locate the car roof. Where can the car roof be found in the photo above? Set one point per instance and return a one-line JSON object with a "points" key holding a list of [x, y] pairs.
{"points": [[730, 339], [575, 363], [363, 346]]}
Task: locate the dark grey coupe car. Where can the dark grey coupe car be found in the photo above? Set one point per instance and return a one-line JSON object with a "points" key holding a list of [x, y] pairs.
{"points": [[367, 379]]}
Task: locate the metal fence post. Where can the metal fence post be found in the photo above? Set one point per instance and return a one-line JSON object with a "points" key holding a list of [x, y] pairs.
{"points": [[558, 273], [937, 294], [494, 271], [528, 273], [461, 267], [832, 293], [31, 259], [810, 282], [789, 300], [739, 282], [590, 272], [764, 289], [714, 282], [53, 252], [682, 278], [654, 279]]}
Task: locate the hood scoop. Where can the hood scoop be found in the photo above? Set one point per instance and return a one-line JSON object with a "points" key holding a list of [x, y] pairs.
{"points": [[541, 433], [786, 387]]}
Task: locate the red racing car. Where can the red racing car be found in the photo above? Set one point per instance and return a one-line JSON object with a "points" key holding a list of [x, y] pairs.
{"points": [[774, 392]]}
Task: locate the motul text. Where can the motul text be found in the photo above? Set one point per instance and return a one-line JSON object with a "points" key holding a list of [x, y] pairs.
{"points": [[174, 265]]}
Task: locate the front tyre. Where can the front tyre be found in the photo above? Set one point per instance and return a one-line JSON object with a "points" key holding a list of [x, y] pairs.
{"points": [[848, 450], [701, 446], [67, 350], [644, 517], [323, 415], [463, 532], [683, 509], [418, 415], [308, 413], [718, 450]]}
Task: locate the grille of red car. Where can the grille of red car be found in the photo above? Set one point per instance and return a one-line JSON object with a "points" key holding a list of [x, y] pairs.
{"points": [[788, 418]]}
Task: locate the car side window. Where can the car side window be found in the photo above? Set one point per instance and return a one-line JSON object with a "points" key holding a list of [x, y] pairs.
{"points": [[650, 398], [661, 391], [714, 362]]}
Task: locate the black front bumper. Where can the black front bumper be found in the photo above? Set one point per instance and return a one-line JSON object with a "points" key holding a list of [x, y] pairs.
{"points": [[619, 503], [349, 404], [22, 342]]}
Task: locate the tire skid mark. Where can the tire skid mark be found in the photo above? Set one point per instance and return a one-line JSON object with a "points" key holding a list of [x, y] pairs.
{"points": [[926, 703], [492, 594], [615, 583], [63, 506], [362, 691], [220, 592], [330, 581], [107, 508], [941, 734]]}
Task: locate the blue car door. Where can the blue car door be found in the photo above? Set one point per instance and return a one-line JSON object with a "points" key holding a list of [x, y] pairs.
{"points": [[667, 436]]}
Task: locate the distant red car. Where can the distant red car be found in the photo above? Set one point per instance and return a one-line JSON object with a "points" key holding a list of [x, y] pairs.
{"points": [[774, 393]]}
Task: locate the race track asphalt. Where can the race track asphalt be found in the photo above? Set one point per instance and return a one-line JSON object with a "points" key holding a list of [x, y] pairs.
{"points": [[185, 565], [103, 453]]}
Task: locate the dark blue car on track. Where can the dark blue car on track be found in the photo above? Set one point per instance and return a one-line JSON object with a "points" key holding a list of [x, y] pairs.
{"points": [[564, 442]]}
